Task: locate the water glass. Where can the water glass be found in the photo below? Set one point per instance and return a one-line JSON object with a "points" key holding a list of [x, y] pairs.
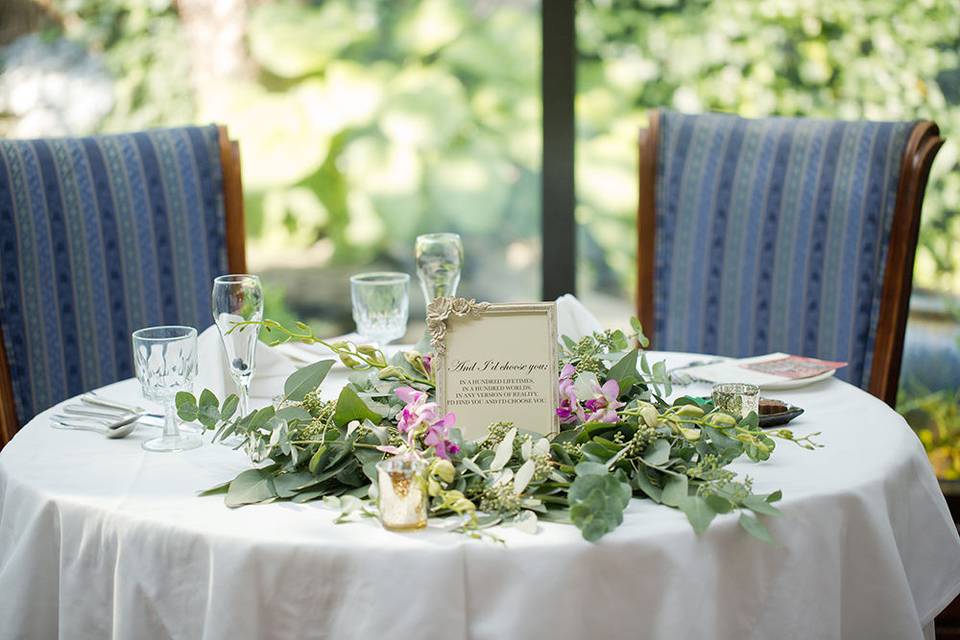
{"points": [[165, 359], [381, 305], [238, 298], [737, 399], [439, 261]]}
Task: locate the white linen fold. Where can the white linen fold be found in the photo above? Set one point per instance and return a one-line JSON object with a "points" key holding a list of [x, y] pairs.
{"points": [[573, 319]]}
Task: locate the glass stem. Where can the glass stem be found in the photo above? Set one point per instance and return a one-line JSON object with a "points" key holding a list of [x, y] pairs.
{"points": [[170, 427], [243, 392]]}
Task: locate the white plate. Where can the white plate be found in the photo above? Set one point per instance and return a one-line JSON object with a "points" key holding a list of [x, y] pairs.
{"points": [[796, 383]]}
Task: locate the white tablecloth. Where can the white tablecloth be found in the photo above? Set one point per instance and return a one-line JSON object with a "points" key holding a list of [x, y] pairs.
{"points": [[101, 539]]}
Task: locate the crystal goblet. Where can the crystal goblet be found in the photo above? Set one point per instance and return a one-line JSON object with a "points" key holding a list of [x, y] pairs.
{"points": [[165, 360], [381, 305]]}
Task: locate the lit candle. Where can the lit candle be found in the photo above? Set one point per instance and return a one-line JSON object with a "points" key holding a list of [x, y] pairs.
{"points": [[402, 495], [737, 399]]}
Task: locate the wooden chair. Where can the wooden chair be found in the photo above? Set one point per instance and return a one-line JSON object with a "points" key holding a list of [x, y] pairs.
{"points": [[782, 234], [100, 236]]}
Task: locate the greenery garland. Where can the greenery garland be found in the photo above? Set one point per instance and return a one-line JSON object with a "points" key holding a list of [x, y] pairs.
{"points": [[620, 440]]}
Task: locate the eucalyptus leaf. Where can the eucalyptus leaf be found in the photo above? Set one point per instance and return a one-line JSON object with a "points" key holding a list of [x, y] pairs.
{"points": [[504, 451], [223, 487], [674, 490], [186, 406], [523, 476], [229, 406], [250, 487], [759, 505], [305, 380], [757, 529], [351, 407], [526, 521], [625, 371], [698, 512], [657, 452]]}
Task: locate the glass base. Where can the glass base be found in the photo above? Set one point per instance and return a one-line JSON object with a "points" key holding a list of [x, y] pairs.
{"points": [[420, 524], [172, 444]]}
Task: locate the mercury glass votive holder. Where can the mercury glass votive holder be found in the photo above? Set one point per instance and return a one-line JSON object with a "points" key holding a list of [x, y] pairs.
{"points": [[736, 398], [402, 494]]}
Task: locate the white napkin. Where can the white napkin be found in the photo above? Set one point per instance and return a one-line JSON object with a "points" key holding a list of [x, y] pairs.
{"points": [[272, 368], [575, 320]]}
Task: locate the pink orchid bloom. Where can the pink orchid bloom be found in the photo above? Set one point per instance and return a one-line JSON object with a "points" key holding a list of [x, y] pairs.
{"points": [[604, 404], [569, 405], [419, 413], [427, 363]]}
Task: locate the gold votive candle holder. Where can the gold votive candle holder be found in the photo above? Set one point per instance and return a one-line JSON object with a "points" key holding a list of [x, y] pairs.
{"points": [[736, 398], [402, 493]]}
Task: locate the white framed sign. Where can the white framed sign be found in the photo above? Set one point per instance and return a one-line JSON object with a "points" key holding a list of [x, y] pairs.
{"points": [[495, 363]]}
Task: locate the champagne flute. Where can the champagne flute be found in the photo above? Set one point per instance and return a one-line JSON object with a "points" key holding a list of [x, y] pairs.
{"points": [[439, 260], [239, 298], [165, 359]]}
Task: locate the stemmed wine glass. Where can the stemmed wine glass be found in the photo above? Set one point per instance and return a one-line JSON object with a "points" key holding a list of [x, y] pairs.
{"points": [[165, 359], [239, 298], [439, 260]]}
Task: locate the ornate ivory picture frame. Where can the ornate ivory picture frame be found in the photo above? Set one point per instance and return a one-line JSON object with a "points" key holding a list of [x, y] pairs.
{"points": [[495, 363]]}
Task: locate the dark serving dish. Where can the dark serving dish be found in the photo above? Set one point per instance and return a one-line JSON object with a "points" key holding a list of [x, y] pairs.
{"points": [[776, 413]]}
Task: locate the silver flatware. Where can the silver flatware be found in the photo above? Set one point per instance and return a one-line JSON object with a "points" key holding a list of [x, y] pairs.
{"points": [[93, 399], [115, 430], [92, 411]]}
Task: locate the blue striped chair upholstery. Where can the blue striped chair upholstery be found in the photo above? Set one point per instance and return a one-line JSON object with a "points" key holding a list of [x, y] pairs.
{"points": [[100, 236], [772, 235]]}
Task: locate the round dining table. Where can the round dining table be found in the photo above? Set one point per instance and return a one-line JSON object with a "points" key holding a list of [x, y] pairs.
{"points": [[101, 539]]}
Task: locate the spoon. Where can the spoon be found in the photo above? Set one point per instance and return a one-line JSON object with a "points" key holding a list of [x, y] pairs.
{"points": [[118, 429]]}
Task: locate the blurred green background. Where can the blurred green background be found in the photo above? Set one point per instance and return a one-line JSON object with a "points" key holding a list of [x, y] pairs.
{"points": [[365, 122]]}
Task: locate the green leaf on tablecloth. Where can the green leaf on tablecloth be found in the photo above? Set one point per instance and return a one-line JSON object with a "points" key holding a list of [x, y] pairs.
{"points": [[759, 504], [351, 407], [657, 453], [251, 487], [316, 458], [186, 406], [288, 485], [229, 406], [642, 481], [307, 496], [625, 371], [698, 512], [293, 413], [597, 501], [775, 496], [223, 487], [303, 381], [674, 490], [208, 409], [719, 503], [757, 529]]}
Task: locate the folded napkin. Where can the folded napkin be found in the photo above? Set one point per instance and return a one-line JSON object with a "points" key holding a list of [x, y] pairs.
{"points": [[575, 320], [272, 368]]}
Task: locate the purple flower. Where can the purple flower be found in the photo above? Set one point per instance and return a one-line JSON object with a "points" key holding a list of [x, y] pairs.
{"points": [[422, 417], [604, 404], [569, 409], [427, 363]]}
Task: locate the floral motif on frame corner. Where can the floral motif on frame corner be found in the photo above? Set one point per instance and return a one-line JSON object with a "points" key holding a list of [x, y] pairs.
{"points": [[440, 309]]}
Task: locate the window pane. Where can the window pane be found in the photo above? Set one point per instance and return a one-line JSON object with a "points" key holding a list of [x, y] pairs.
{"points": [[361, 123], [879, 60]]}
